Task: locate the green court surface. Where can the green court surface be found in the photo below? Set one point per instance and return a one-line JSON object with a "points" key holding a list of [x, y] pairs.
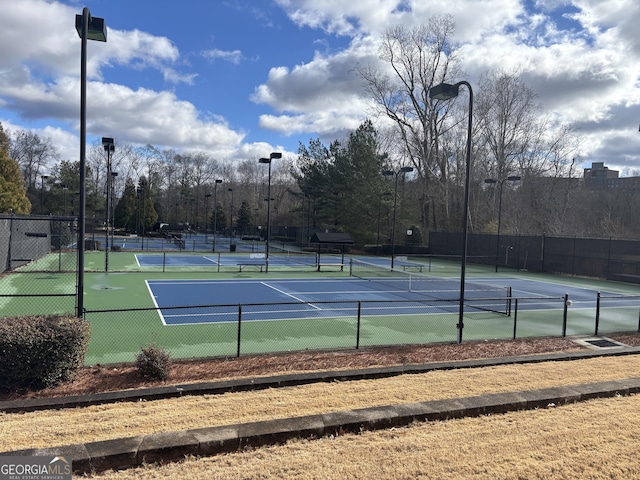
{"points": [[124, 317]]}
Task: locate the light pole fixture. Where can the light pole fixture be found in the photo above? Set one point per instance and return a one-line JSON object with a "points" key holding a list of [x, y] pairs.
{"points": [[89, 28], [42, 179], [109, 147], [446, 91], [396, 173], [272, 156], [511, 178], [215, 212]]}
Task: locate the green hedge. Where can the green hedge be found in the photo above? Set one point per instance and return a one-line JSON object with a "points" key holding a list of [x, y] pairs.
{"points": [[41, 351]]}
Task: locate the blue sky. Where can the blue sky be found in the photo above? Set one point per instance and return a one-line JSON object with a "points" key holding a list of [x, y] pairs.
{"points": [[241, 78]]}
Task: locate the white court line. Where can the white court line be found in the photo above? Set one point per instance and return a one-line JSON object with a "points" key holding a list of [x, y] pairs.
{"points": [[289, 295], [153, 297]]}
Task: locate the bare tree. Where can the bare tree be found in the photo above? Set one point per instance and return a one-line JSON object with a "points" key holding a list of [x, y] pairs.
{"points": [[514, 137], [416, 61], [33, 154], [508, 117]]}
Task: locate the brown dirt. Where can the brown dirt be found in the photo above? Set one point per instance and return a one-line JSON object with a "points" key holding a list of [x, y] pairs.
{"points": [[95, 379]]}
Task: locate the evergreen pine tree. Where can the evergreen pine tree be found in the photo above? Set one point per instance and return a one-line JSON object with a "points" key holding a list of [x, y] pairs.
{"points": [[13, 196]]}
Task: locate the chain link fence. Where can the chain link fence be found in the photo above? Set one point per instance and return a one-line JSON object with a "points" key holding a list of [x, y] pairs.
{"points": [[609, 259], [39, 275], [234, 330], [38, 262]]}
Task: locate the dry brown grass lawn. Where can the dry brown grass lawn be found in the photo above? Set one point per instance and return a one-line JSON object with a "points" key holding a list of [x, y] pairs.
{"points": [[592, 440], [587, 440]]}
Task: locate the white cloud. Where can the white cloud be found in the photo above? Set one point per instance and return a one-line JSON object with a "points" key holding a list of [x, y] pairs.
{"points": [[159, 118], [39, 80], [581, 56], [322, 96], [233, 56]]}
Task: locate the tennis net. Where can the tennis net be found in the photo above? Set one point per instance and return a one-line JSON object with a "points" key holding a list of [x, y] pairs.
{"points": [[296, 257], [478, 295]]}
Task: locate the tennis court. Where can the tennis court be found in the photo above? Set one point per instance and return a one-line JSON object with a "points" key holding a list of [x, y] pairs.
{"points": [[180, 302], [265, 300], [195, 310]]}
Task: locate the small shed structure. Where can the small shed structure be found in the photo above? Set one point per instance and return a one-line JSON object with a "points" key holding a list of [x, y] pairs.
{"points": [[332, 239]]}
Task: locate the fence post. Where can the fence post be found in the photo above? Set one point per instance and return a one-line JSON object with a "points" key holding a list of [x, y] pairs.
{"points": [[239, 329], [358, 325], [564, 315], [515, 319], [597, 313]]}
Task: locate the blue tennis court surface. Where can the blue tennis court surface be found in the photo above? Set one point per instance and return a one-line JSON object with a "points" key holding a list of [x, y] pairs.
{"points": [[181, 301]]}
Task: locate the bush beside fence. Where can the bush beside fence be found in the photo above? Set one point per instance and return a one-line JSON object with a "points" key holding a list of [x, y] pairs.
{"points": [[41, 351]]}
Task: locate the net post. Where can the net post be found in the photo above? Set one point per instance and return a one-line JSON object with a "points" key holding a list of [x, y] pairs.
{"points": [[164, 261], [239, 329], [515, 319], [597, 312], [358, 326], [564, 314]]}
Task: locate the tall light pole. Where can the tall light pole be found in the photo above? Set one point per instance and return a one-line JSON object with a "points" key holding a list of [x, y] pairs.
{"points": [[142, 185], [207, 196], [391, 173], [113, 206], [446, 91], [42, 179], [89, 28], [215, 212], [383, 195], [64, 189], [512, 178], [274, 155], [109, 147], [231, 220]]}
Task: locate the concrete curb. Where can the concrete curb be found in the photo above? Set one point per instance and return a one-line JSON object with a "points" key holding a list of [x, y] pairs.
{"points": [[276, 381], [173, 446]]}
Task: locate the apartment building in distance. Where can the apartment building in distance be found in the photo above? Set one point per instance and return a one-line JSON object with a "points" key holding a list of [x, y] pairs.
{"points": [[599, 177]]}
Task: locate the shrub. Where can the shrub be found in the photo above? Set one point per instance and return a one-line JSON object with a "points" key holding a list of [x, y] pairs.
{"points": [[154, 362], [41, 351]]}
